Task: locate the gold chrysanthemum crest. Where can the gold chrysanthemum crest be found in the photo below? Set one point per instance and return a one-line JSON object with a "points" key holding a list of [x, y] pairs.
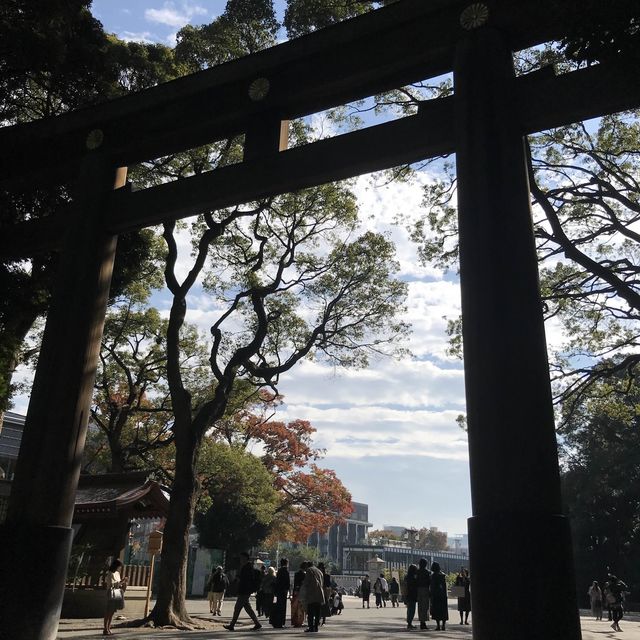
{"points": [[94, 139], [474, 16], [259, 89]]}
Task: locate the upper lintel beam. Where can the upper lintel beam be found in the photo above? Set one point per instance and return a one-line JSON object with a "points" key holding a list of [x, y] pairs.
{"points": [[402, 43]]}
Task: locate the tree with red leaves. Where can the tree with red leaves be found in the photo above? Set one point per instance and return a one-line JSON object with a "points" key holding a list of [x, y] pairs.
{"points": [[311, 498]]}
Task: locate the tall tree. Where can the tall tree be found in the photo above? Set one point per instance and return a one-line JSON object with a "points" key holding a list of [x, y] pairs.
{"points": [[289, 286], [131, 416], [311, 498], [586, 194], [239, 501], [601, 480], [55, 57]]}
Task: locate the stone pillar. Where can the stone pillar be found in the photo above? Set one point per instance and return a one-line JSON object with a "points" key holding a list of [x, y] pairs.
{"points": [[37, 537], [517, 528]]}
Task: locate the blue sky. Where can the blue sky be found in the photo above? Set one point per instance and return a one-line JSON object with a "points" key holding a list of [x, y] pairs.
{"points": [[155, 20], [389, 431]]}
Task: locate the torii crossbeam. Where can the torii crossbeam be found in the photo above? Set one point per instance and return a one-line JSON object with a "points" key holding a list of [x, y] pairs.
{"points": [[514, 466]]}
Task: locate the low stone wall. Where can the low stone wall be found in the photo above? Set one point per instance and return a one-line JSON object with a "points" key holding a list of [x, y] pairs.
{"points": [[87, 602]]}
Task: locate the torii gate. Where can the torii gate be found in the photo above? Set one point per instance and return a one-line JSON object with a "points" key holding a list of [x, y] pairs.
{"points": [[514, 466]]}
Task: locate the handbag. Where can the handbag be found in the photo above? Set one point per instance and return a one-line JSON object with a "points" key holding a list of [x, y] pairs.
{"points": [[116, 595]]}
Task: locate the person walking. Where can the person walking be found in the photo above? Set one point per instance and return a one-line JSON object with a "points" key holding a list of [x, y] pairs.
{"points": [[464, 602], [365, 591], [246, 586], [615, 598], [377, 592], [297, 608], [394, 592], [115, 601], [278, 616], [424, 582], [411, 593], [312, 591], [217, 585], [438, 590], [595, 597], [385, 589]]}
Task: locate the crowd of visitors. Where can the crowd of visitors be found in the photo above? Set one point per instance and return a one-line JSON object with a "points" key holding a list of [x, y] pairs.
{"points": [[315, 596]]}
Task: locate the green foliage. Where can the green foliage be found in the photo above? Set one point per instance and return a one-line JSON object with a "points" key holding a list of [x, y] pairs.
{"points": [[601, 32], [240, 501], [586, 184], [56, 57], [131, 414], [601, 480], [304, 16], [245, 27]]}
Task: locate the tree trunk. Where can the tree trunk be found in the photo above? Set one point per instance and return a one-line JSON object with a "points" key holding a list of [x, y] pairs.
{"points": [[170, 606]]}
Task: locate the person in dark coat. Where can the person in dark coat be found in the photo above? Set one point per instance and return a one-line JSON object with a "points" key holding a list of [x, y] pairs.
{"points": [[411, 593], [246, 586], [464, 603], [279, 611], [439, 605], [424, 581], [365, 591], [394, 592]]}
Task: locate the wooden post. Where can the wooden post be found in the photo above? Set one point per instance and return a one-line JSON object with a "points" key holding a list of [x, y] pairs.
{"points": [[37, 537], [520, 547], [154, 548], [147, 604]]}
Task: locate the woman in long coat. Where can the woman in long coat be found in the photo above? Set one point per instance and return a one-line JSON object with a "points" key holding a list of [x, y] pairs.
{"points": [[464, 603], [439, 606]]}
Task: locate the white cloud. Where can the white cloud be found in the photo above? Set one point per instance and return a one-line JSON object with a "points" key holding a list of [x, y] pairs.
{"points": [[173, 17], [142, 36]]}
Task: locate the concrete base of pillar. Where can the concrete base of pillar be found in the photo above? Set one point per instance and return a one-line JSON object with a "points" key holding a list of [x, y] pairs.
{"points": [[34, 569], [522, 578]]}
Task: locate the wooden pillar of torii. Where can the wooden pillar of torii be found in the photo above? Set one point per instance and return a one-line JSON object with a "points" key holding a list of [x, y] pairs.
{"points": [[514, 465]]}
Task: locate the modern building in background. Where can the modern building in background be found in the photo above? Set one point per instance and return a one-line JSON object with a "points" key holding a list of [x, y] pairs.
{"points": [[353, 531]]}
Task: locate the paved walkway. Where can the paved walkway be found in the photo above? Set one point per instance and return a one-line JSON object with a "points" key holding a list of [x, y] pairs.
{"points": [[354, 624]]}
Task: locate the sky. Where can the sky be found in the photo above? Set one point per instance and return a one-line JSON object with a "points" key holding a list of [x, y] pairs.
{"points": [[389, 431]]}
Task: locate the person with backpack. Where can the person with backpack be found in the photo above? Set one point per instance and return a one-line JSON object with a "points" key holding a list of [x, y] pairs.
{"points": [[217, 584], [249, 583]]}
